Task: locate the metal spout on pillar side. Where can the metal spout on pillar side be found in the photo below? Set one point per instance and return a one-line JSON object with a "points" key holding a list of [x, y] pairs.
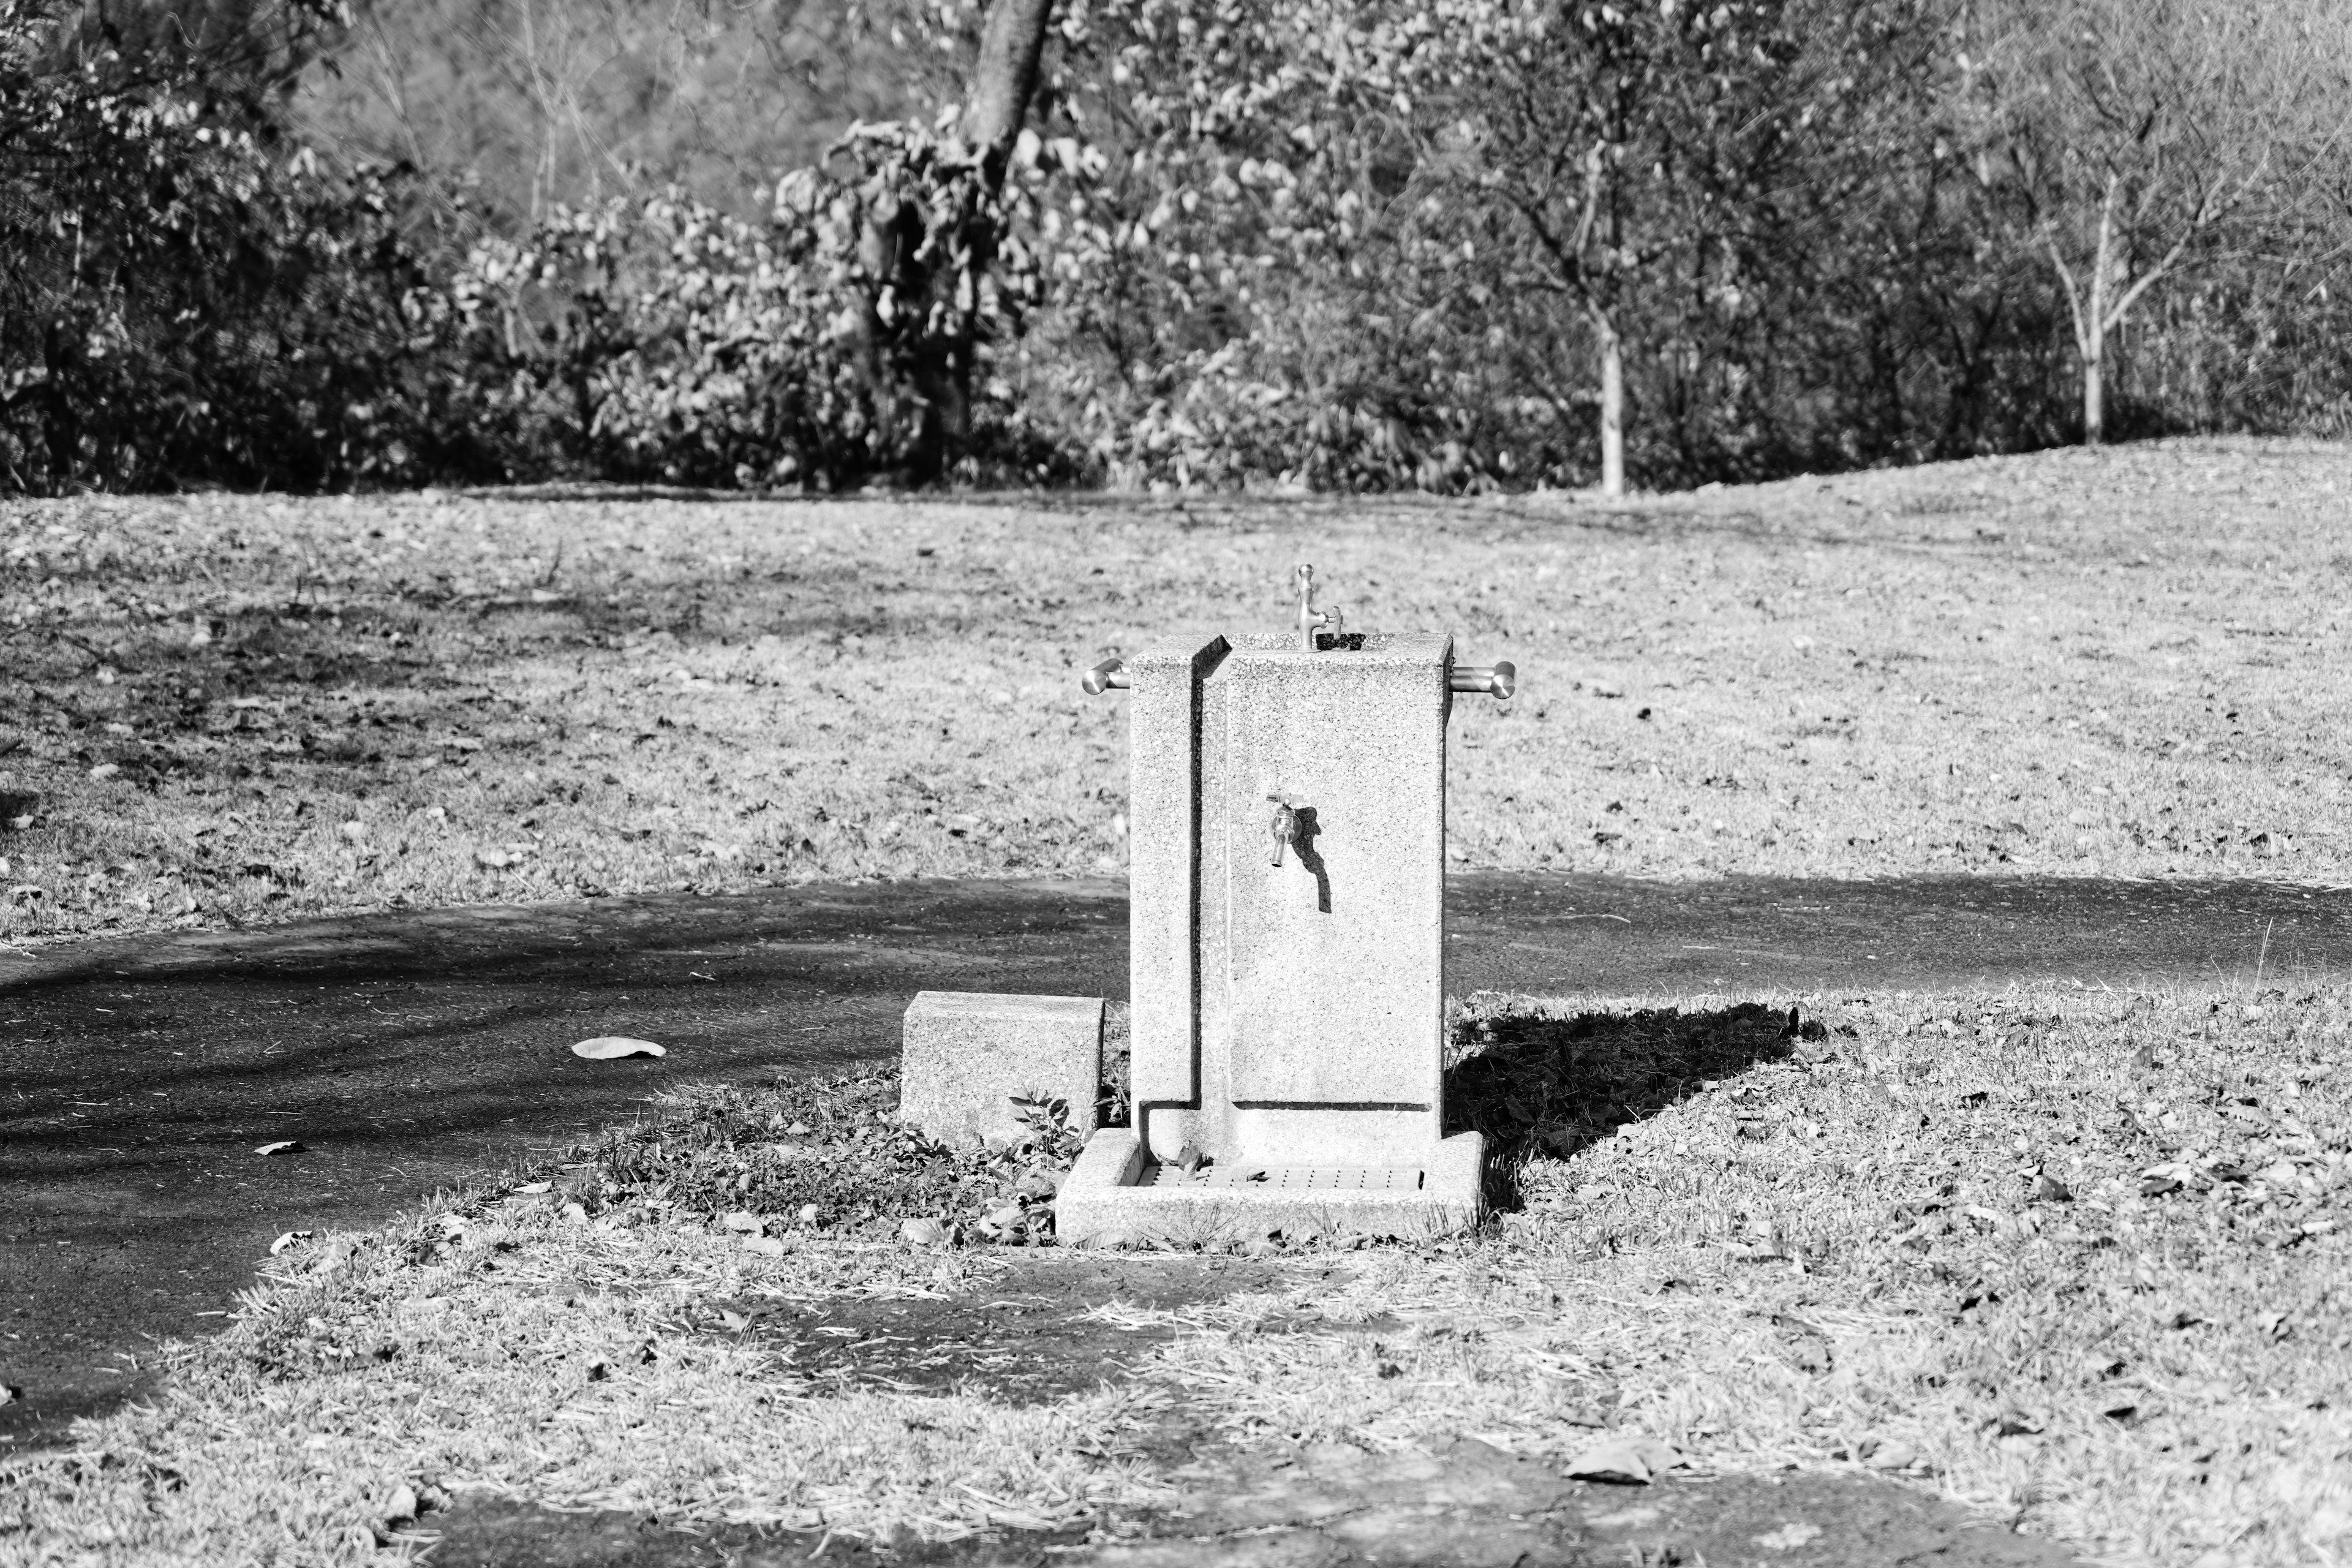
{"points": [[1285, 825], [1110, 675], [1310, 620], [1500, 678]]}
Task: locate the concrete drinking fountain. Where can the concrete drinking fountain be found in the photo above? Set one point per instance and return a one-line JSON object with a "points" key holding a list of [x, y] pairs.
{"points": [[1286, 952]]}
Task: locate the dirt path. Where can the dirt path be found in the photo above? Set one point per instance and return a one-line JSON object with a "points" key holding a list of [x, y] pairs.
{"points": [[409, 1052], [1336, 1507], [1029, 1331]]}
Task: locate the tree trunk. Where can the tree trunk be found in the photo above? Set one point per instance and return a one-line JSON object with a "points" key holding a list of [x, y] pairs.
{"points": [[2091, 330], [2094, 415], [1006, 72], [1004, 78], [1613, 407]]}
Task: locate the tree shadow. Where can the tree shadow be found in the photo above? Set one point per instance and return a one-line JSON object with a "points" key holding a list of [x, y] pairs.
{"points": [[1538, 1083]]}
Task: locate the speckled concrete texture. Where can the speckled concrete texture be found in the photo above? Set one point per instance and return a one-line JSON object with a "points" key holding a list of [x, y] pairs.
{"points": [[1334, 958], [1163, 834], [966, 1054], [1116, 1194], [1287, 951]]}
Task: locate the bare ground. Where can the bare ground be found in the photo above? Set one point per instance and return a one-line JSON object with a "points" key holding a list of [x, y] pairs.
{"points": [[2074, 1260], [2128, 662]]}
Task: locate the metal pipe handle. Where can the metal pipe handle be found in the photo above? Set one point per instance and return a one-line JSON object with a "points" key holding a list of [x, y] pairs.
{"points": [[1110, 675], [1500, 678]]}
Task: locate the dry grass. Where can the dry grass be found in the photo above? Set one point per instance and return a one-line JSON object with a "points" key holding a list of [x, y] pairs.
{"points": [[1831, 1256], [2127, 662]]}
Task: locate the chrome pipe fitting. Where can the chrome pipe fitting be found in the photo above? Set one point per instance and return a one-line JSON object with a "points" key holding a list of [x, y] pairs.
{"points": [[1500, 678]]}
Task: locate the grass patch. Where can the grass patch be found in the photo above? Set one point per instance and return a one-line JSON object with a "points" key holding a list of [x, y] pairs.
{"points": [[2077, 1259], [822, 1158], [219, 710]]}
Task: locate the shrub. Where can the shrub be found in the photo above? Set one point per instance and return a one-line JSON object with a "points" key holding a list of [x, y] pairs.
{"points": [[673, 342], [185, 299]]}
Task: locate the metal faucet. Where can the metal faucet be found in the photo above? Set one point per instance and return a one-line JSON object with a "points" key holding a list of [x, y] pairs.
{"points": [[1310, 620], [1285, 827]]}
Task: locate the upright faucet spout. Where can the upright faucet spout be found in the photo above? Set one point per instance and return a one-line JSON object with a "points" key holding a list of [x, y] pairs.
{"points": [[1310, 620]]}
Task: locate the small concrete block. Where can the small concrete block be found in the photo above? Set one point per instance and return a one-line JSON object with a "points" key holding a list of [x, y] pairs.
{"points": [[966, 1054]]}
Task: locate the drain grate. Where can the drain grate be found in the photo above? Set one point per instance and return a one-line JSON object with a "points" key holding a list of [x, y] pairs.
{"points": [[1290, 1178]]}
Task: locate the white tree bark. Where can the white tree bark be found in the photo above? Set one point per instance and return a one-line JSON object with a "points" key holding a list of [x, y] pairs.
{"points": [[1613, 412]]}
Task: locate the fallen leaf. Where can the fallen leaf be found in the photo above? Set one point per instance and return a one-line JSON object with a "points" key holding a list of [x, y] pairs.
{"points": [[292, 1238], [490, 858], [401, 1505], [1788, 1537], [283, 1146], [2049, 1189], [105, 770], [609, 1048], [1807, 1348], [1624, 1461], [529, 1189], [765, 1246], [10, 1394], [923, 1232], [742, 1220], [1633, 1518], [1892, 1456]]}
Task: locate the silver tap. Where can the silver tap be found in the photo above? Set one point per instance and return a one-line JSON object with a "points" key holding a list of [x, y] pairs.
{"points": [[1310, 620], [1285, 827]]}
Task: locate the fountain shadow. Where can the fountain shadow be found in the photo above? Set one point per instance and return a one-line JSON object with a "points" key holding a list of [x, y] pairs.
{"points": [[1545, 1083]]}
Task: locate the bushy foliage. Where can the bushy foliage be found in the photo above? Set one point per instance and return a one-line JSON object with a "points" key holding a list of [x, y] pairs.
{"points": [[1335, 244], [1372, 245], [671, 341], [182, 299]]}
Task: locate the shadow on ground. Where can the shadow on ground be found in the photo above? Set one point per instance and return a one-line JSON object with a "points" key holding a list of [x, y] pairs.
{"points": [[1556, 1084], [1332, 1506], [409, 1051]]}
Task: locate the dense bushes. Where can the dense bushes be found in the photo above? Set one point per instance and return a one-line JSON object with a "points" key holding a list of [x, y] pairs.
{"points": [[1403, 243], [1450, 246], [670, 341], [183, 297]]}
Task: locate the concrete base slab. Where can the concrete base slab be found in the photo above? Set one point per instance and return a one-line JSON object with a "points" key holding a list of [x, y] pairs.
{"points": [[1119, 1193]]}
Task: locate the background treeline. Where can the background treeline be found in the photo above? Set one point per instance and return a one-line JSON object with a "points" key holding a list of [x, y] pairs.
{"points": [[1347, 243]]}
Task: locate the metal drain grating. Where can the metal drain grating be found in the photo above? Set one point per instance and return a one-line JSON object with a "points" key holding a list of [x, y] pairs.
{"points": [[1290, 1178]]}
